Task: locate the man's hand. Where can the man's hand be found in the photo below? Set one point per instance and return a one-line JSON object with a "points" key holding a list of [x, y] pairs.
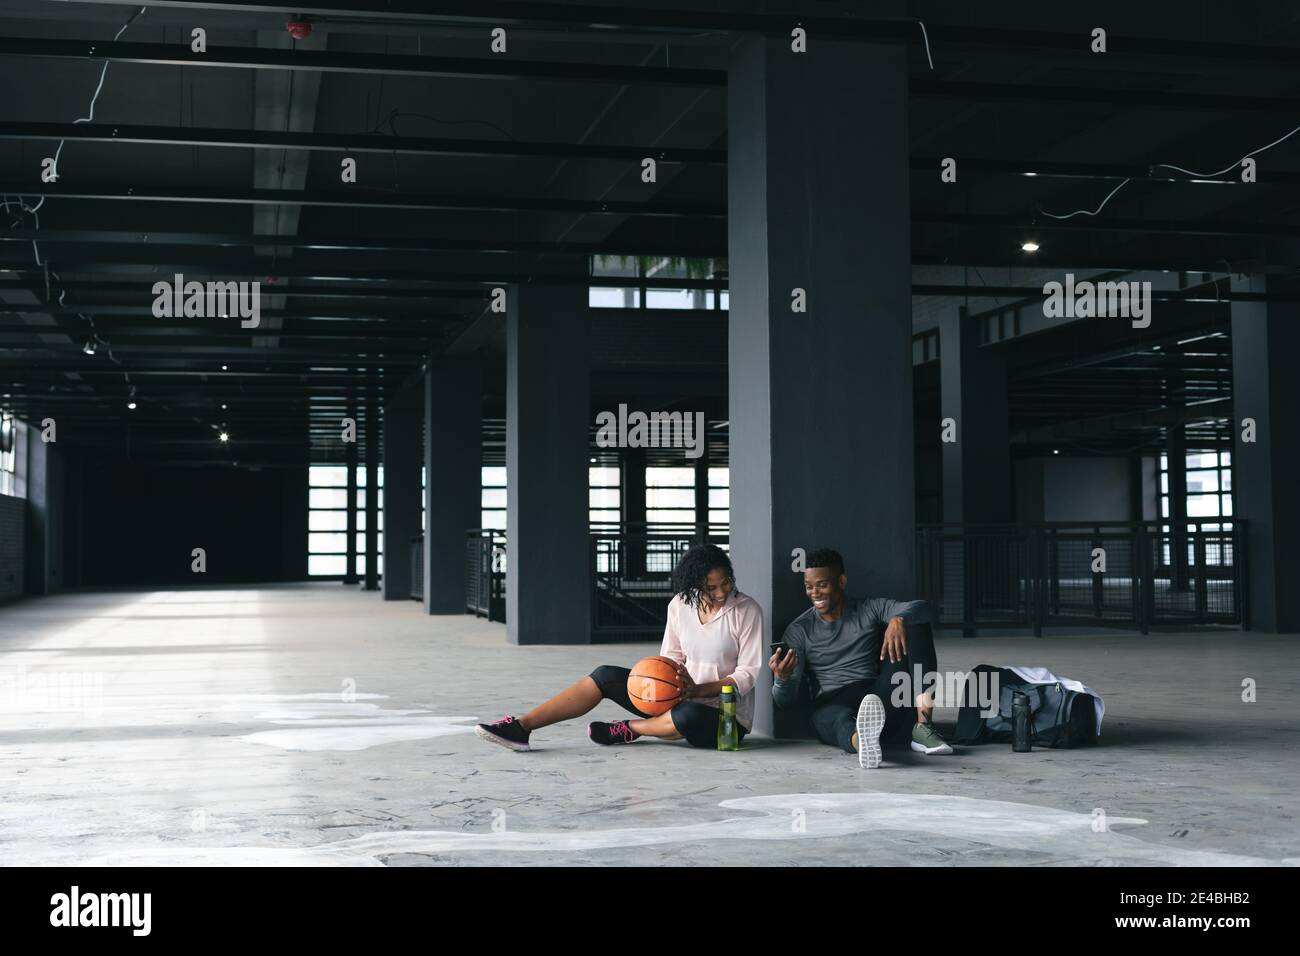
{"points": [[783, 666], [688, 685], [894, 648]]}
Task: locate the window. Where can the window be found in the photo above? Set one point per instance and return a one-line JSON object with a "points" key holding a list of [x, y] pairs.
{"points": [[1209, 496], [327, 520], [636, 293], [604, 496], [493, 502], [13, 449]]}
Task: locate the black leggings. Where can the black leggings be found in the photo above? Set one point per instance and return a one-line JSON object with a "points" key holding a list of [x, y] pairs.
{"points": [[695, 721], [834, 713]]}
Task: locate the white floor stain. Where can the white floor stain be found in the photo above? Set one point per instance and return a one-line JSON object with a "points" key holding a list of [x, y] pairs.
{"points": [[324, 722], [1062, 834]]}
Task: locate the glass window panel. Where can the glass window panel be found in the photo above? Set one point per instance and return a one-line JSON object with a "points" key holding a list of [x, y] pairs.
{"points": [[669, 477], [720, 477], [613, 297], [493, 519], [670, 498], [669, 299], [719, 497], [321, 543], [361, 476], [1164, 482], [603, 498], [1227, 479], [326, 564], [1202, 481], [719, 517], [1164, 507], [361, 543], [1225, 458], [327, 521], [361, 521], [494, 476], [726, 300], [603, 516], [493, 498], [670, 517], [327, 498], [603, 476], [1202, 506], [1227, 504], [1202, 459], [329, 476]]}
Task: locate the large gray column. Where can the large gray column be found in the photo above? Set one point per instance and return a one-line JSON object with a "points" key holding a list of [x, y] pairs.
{"points": [[821, 402], [453, 496], [1265, 387], [973, 385], [403, 425], [372, 488], [548, 422], [44, 533]]}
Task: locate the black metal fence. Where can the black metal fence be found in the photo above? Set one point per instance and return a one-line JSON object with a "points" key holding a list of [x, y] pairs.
{"points": [[1117, 574], [631, 570], [485, 573]]}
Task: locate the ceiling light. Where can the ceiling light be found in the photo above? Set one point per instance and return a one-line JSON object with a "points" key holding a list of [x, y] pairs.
{"points": [[89, 347], [223, 404], [130, 405], [223, 437], [1056, 451], [224, 367], [1029, 246]]}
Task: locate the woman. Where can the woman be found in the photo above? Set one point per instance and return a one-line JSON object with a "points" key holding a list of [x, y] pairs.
{"points": [[715, 635]]}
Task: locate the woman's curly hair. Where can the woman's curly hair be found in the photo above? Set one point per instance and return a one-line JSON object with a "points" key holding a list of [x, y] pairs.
{"points": [[694, 567]]}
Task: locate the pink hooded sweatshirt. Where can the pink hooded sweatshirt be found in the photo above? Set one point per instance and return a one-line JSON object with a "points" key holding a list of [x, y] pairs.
{"points": [[729, 647]]}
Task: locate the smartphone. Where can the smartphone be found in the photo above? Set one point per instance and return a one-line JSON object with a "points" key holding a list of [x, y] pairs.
{"points": [[780, 647]]}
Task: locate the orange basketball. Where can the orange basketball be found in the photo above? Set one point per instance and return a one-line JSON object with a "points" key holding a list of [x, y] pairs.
{"points": [[653, 685]]}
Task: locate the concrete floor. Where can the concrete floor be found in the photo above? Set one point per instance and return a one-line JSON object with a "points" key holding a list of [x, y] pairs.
{"points": [[315, 725]]}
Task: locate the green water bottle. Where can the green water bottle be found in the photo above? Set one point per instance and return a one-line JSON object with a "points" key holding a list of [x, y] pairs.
{"points": [[728, 727]]}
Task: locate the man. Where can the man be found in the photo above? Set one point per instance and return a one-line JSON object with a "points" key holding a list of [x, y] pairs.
{"points": [[851, 665]]}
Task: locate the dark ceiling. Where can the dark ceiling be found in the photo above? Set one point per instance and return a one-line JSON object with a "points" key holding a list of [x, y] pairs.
{"points": [[476, 169]]}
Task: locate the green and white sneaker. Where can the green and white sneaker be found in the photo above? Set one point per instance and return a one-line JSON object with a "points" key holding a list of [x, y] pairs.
{"points": [[926, 740], [871, 721]]}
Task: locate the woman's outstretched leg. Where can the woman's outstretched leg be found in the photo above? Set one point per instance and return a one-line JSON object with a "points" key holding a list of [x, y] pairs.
{"points": [[573, 701]]}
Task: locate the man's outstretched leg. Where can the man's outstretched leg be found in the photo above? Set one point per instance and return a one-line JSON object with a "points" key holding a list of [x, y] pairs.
{"points": [[906, 687]]}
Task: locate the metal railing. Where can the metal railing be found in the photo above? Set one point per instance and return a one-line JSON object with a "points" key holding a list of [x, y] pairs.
{"points": [[1043, 575], [485, 573], [631, 567]]}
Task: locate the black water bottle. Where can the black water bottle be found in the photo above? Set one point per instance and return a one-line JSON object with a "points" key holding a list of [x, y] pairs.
{"points": [[1020, 740]]}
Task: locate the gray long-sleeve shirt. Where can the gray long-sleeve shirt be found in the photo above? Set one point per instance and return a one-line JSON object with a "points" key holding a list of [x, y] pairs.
{"points": [[843, 651]]}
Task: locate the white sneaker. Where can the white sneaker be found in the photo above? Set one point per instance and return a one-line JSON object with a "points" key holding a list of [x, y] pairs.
{"points": [[871, 721]]}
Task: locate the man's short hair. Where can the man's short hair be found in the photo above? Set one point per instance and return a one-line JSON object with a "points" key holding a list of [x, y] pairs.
{"points": [[826, 558]]}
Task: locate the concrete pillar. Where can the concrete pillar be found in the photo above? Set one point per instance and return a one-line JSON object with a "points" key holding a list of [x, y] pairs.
{"points": [[973, 385], [403, 424], [548, 421], [45, 511], [633, 507], [372, 487], [1265, 387], [453, 495], [350, 570], [820, 401], [1176, 455]]}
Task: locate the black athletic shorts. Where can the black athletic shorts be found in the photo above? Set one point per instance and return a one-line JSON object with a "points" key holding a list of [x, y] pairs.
{"points": [[695, 721]]}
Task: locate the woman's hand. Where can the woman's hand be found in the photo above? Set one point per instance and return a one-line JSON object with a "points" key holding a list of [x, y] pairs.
{"points": [[688, 685]]}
